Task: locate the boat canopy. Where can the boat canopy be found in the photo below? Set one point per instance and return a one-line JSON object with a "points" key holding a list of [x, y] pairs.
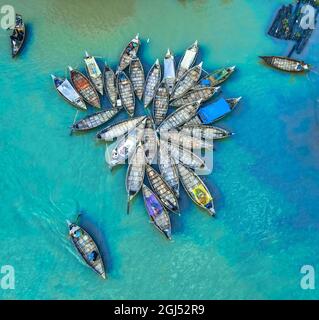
{"points": [[214, 111], [67, 90], [188, 59], [169, 68], [94, 70]]}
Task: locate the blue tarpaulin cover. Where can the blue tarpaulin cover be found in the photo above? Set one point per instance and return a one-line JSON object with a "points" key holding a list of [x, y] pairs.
{"points": [[214, 111]]}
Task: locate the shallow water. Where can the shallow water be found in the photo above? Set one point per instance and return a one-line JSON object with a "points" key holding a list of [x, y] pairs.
{"points": [[265, 178]]}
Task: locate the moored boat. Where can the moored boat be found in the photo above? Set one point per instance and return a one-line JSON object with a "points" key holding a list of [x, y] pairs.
{"points": [[152, 81], [160, 103], [205, 131], [216, 78], [65, 89], [137, 77], [286, 64], [18, 35], [126, 92], [149, 140], [94, 72], [129, 53], [163, 191], [169, 72], [188, 60], [196, 189], [187, 82], [157, 212], [87, 248], [110, 85], [95, 120], [85, 88]]}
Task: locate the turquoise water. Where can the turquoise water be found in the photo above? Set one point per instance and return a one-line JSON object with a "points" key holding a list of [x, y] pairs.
{"points": [[265, 178]]}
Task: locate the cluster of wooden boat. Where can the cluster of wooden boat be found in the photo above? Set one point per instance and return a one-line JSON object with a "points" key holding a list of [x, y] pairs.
{"points": [[161, 145]]}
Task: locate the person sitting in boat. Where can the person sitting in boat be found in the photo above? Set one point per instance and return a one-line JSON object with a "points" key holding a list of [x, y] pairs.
{"points": [[92, 256], [75, 231], [200, 196]]}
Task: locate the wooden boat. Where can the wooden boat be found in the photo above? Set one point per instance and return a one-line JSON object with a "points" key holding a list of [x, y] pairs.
{"points": [[85, 88], [187, 82], [18, 36], [184, 140], [152, 81], [160, 103], [286, 64], [169, 72], [188, 60], [129, 53], [149, 141], [135, 174], [165, 194], [137, 77], [65, 89], [205, 132], [118, 129], [216, 78], [180, 116], [123, 149], [195, 95], [87, 248], [95, 120], [157, 212], [184, 156], [168, 169], [196, 189], [110, 85], [126, 92], [94, 72]]}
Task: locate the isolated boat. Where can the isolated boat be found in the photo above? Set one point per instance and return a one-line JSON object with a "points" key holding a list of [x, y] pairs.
{"points": [[94, 72], [286, 64], [124, 148], [216, 78], [163, 191], [118, 129], [95, 120], [187, 82], [169, 72], [149, 141], [65, 89], [126, 92], [152, 81], [85, 88], [160, 103], [137, 77], [18, 35], [188, 60], [180, 116], [129, 53], [110, 85], [196, 189], [168, 169], [205, 132], [87, 248], [135, 174], [157, 212], [194, 95]]}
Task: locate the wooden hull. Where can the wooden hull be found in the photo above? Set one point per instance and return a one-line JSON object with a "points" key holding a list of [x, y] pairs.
{"points": [[137, 77], [160, 103], [285, 64], [152, 81], [129, 53], [216, 78], [94, 73], [18, 36], [149, 141], [169, 72], [110, 85], [205, 132], [126, 92]]}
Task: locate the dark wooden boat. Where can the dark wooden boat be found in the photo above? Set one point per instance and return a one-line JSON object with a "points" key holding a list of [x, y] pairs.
{"points": [[196, 189], [126, 92], [169, 71], [149, 141], [205, 132], [110, 85], [119, 129], [194, 95], [160, 103], [94, 72], [65, 89], [187, 82], [95, 120], [137, 77], [152, 81], [129, 53], [85, 88], [157, 212], [188, 60], [87, 248], [135, 174], [163, 191], [215, 78], [286, 64], [18, 36]]}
